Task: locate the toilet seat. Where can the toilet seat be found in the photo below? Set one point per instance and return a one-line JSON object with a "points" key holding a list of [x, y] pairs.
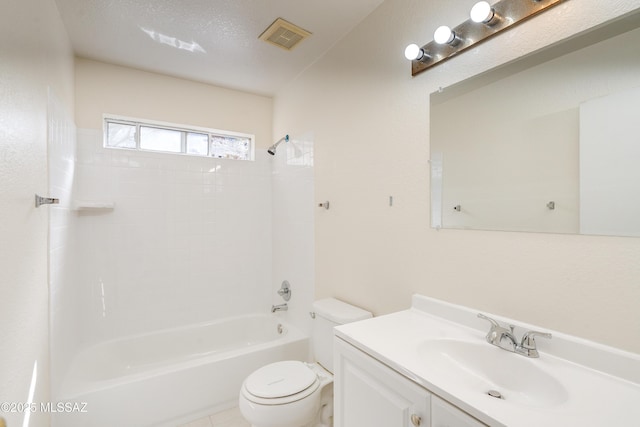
{"points": [[280, 383]]}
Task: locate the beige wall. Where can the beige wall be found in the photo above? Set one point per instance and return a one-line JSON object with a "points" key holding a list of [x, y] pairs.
{"points": [[35, 55], [370, 120], [106, 88]]}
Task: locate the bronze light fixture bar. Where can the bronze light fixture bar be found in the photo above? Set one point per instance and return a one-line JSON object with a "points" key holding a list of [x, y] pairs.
{"points": [[486, 20]]}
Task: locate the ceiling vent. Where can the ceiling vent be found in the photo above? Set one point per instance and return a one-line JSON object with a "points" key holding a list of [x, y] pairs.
{"points": [[284, 34]]}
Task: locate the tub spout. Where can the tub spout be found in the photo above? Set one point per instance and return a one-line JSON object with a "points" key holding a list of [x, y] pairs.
{"points": [[280, 307]]}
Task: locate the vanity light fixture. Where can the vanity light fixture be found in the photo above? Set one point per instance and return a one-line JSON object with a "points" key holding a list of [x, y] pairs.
{"points": [[413, 52], [445, 35], [485, 20], [483, 13]]}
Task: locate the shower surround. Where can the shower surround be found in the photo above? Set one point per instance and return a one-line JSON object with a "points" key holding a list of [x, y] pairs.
{"points": [[188, 240]]}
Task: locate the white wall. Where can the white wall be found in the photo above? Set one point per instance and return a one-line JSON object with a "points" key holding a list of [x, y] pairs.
{"points": [[370, 121], [34, 54]]}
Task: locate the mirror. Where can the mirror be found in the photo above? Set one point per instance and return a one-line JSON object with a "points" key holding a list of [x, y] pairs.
{"points": [[548, 143]]}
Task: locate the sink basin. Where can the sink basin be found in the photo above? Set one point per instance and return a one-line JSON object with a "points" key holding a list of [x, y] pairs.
{"points": [[481, 367]]}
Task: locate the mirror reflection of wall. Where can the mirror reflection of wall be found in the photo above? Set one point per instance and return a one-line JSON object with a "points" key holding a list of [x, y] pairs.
{"points": [[534, 150]]}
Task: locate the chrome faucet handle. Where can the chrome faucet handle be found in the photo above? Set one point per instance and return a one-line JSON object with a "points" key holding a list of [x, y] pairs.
{"points": [[498, 333], [494, 323], [529, 339], [285, 291], [527, 346], [494, 336]]}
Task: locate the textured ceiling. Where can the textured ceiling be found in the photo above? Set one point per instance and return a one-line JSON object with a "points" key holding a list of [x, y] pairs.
{"points": [[213, 41]]}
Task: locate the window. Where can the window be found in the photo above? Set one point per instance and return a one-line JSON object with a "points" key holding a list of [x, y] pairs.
{"points": [[158, 139], [229, 147], [197, 144], [121, 135], [169, 138]]}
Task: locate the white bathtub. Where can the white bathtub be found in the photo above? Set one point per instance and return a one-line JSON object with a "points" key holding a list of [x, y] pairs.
{"points": [[166, 378]]}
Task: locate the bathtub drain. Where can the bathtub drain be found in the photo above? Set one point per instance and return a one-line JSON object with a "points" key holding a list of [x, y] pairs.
{"points": [[280, 329]]}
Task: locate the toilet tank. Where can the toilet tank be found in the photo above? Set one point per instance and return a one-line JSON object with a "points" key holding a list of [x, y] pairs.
{"points": [[329, 313]]}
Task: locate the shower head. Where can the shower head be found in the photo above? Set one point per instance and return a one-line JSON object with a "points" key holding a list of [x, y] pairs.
{"points": [[272, 149]]}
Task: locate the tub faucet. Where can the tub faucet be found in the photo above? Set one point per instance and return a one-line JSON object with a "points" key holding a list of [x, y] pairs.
{"points": [[279, 307]]}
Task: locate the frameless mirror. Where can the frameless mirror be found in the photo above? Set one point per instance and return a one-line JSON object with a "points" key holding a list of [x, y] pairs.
{"points": [[548, 143]]}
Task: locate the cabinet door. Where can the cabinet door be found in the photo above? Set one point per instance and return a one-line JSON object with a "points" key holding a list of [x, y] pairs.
{"points": [[443, 414], [368, 393]]}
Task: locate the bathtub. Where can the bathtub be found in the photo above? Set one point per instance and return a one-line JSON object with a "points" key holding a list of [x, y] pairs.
{"points": [[173, 376]]}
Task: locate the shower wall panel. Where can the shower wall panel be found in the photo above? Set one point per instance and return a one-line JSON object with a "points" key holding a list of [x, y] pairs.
{"points": [[64, 324], [188, 239]]}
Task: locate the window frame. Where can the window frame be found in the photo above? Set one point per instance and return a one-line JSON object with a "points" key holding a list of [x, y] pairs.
{"points": [[184, 129]]}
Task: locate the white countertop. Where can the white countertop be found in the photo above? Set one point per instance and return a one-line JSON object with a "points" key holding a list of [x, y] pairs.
{"points": [[602, 383]]}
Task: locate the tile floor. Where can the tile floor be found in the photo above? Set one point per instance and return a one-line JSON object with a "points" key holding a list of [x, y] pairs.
{"points": [[229, 418]]}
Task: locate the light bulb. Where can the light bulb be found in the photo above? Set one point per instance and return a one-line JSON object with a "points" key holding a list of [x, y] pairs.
{"points": [[482, 12], [444, 35], [413, 52]]}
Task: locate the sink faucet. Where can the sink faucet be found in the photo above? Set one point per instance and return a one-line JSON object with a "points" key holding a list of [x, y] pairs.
{"points": [[505, 339], [279, 307]]}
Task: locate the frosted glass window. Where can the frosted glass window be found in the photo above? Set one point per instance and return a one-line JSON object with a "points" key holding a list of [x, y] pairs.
{"points": [[231, 147], [157, 139], [121, 135], [197, 144]]}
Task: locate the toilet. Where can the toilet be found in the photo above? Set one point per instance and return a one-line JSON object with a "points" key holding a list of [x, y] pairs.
{"points": [[294, 393]]}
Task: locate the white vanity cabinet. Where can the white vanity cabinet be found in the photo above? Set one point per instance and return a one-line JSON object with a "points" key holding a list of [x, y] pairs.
{"points": [[367, 393], [444, 414]]}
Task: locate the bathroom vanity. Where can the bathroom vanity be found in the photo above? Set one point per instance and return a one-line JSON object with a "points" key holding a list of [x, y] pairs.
{"points": [[372, 394], [432, 366]]}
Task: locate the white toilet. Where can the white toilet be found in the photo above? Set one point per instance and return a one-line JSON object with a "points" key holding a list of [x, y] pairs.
{"points": [[294, 393]]}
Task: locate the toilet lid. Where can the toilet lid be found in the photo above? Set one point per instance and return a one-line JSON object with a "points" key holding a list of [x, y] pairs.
{"points": [[280, 379]]}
